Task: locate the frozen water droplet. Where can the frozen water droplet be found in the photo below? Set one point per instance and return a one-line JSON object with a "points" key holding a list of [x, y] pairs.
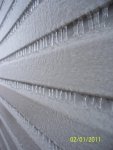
{"points": [[52, 42], [70, 94], [80, 26], [36, 88], [85, 102], [90, 22], [61, 34], [52, 94], [45, 41], [43, 90], [104, 16], [100, 103], [56, 93], [39, 90], [60, 94], [96, 19], [75, 28], [74, 97], [93, 100], [32, 88], [56, 36], [65, 33], [66, 95], [37, 46]]}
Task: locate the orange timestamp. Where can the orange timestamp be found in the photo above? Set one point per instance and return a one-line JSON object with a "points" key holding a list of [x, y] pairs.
{"points": [[82, 139]]}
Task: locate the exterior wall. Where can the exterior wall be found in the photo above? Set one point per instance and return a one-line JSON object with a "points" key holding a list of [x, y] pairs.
{"points": [[56, 74]]}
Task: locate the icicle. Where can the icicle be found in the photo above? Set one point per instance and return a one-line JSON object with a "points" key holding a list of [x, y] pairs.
{"points": [[33, 6], [56, 93], [85, 102], [39, 90], [17, 85], [49, 39], [32, 47], [74, 97], [90, 22], [32, 88], [104, 15], [36, 89], [43, 91], [42, 43], [31, 9], [96, 19], [61, 94], [35, 3], [37, 46], [75, 28], [45, 41], [65, 32], [56, 36], [61, 35], [80, 26], [26, 86], [66, 96], [93, 100], [52, 42], [52, 94], [70, 96], [25, 50], [29, 49], [100, 103]]}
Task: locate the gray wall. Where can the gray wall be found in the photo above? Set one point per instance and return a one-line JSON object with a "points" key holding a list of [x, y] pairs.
{"points": [[56, 74]]}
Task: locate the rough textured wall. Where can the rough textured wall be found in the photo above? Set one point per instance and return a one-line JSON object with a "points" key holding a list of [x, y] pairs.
{"points": [[56, 74]]}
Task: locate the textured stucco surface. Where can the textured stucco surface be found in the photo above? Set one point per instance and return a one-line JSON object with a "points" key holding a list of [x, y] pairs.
{"points": [[48, 16], [85, 66], [13, 16], [59, 126], [4, 9]]}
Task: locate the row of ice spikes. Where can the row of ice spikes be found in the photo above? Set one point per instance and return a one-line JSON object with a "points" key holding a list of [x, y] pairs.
{"points": [[77, 27], [58, 94]]}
